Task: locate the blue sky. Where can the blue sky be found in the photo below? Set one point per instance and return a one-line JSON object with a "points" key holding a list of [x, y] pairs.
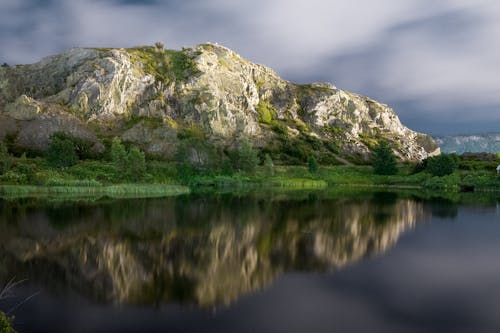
{"points": [[436, 62]]}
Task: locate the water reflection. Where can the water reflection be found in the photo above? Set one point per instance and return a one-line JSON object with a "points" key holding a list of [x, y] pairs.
{"points": [[202, 249]]}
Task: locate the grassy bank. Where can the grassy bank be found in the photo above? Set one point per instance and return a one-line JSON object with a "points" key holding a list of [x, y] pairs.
{"points": [[112, 191], [36, 177]]}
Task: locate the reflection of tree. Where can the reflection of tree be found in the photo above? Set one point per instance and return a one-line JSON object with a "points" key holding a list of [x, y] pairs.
{"points": [[202, 249], [383, 206], [444, 208]]}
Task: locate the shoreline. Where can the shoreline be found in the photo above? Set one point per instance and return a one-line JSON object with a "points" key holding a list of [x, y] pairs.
{"points": [[138, 191]]}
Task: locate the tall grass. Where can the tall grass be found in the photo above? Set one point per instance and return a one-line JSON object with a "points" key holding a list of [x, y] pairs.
{"points": [[299, 183], [114, 191]]}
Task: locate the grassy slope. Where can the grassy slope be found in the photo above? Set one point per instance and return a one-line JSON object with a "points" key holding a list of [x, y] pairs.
{"points": [[33, 176]]}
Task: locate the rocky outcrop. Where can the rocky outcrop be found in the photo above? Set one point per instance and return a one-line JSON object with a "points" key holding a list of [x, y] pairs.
{"points": [[147, 96]]}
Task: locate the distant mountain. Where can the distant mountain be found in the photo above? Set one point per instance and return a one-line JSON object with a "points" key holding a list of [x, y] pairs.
{"points": [[488, 143]]}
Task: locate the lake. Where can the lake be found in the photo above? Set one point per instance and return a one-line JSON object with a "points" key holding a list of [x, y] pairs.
{"points": [[321, 261]]}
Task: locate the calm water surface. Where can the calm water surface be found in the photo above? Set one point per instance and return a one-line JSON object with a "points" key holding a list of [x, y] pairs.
{"points": [[266, 262]]}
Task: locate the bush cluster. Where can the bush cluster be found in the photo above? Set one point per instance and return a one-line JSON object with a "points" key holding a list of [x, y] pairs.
{"points": [[66, 150], [5, 159], [129, 165], [442, 165], [196, 157], [383, 159], [6, 324]]}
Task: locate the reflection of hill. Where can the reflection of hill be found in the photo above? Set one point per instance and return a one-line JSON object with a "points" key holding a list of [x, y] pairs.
{"points": [[203, 250]]}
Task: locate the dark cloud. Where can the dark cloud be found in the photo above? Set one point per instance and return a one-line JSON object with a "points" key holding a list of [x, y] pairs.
{"points": [[455, 120], [425, 99], [137, 2], [453, 25]]}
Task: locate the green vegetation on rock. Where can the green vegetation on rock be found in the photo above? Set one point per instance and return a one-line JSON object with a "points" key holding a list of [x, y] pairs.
{"points": [[266, 111], [165, 65]]}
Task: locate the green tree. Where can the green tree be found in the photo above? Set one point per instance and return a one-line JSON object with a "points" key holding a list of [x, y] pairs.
{"points": [[5, 159], [268, 166], [195, 156], [83, 148], [128, 165], [442, 165], [119, 156], [136, 164], [62, 152], [383, 159], [312, 164], [247, 157], [223, 164]]}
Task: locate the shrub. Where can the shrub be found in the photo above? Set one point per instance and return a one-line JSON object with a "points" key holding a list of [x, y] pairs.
{"points": [[195, 156], [224, 163], [62, 152], [160, 46], [6, 324], [13, 177], [384, 160], [312, 164], [119, 156], [162, 172], [99, 170], [441, 165], [268, 166], [476, 179], [445, 183], [5, 159], [136, 164], [82, 147], [298, 150], [266, 111], [247, 157], [129, 165]]}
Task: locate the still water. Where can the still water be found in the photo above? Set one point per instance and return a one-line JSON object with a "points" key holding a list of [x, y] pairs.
{"points": [[324, 261]]}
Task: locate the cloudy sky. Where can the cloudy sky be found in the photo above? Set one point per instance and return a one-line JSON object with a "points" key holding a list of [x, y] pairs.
{"points": [[436, 62]]}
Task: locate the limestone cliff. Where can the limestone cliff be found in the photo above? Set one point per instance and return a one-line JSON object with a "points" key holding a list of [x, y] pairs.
{"points": [[151, 97]]}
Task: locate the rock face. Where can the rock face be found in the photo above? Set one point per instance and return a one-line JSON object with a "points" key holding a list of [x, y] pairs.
{"points": [[148, 96]]}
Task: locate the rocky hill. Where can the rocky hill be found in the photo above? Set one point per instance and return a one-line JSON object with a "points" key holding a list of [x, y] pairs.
{"points": [[480, 143], [155, 98]]}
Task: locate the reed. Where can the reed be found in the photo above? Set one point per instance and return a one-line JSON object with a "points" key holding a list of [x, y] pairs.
{"points": [[114, 191]]}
